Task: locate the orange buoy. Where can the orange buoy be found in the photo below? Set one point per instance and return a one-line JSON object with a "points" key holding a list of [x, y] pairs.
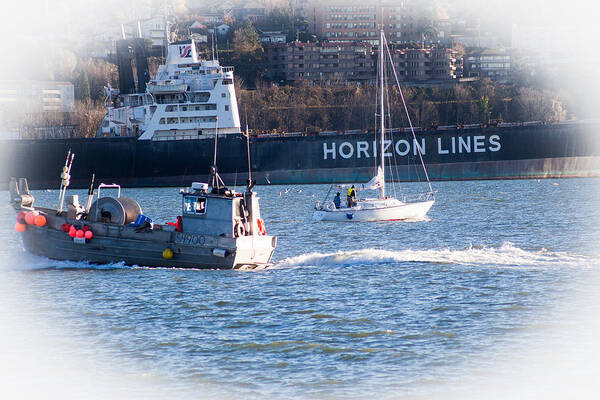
{"points": [[40, 220], [88, 234], [79, 233], [30, 217], [72, 233], [19, 227]]}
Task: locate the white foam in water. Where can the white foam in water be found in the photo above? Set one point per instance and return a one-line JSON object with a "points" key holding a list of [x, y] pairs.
{"points": [[33, 262], [507, 255]]}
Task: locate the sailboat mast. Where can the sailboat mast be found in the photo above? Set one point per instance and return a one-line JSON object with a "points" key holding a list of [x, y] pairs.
{"points": [[381, 112]]}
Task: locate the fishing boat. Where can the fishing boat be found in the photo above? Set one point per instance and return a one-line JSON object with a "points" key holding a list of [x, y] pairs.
{"points": [[383, 207], [218, 228]]}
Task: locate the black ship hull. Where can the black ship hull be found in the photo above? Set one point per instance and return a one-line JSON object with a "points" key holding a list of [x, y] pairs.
{"points": [[507, 152]]}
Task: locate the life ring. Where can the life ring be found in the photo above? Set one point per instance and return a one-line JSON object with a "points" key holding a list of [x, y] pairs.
{"points": [[239, 229], [261, 227]]}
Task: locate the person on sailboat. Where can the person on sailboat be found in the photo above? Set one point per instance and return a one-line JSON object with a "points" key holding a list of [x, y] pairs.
{"points": [[337, 201], [351, 197]]}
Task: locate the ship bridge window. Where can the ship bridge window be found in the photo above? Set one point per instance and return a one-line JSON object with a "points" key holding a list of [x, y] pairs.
{"points": [[227, 81], [207, 107], [201, 97], [194, 205]]}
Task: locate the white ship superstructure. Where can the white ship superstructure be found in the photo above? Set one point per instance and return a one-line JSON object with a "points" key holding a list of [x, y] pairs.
{"points": [[187, 99]]}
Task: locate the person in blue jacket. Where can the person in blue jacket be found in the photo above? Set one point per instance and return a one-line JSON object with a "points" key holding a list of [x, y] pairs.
{"points": [[337, 201]]}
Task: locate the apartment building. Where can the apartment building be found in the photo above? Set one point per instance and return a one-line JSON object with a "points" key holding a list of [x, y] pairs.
{"points": [[341, 62], [353, 20], [38, 96], [431, 64], [325, 62], [488, 63]]}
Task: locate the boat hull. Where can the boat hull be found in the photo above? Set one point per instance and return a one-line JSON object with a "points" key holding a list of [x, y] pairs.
{"points": [[401, 212], [121, 244], [514, 152]]}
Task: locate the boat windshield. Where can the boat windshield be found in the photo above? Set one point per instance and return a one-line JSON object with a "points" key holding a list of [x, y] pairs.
{"points": [[194, 205]]}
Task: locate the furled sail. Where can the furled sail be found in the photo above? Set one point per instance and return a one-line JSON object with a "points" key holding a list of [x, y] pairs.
{"points": [[375, 183]]}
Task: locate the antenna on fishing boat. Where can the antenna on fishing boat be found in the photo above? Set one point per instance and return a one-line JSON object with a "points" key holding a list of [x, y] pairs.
{"points": [[65, 180], [215, 179], [249, 183], [248, 150], [88, 205]]}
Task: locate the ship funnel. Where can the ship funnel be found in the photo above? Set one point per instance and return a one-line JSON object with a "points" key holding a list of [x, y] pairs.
{"points": [[182, 52]]}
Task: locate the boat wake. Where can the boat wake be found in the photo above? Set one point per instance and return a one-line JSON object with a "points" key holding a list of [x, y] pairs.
{"points": [[36, 263], [507, 255]]}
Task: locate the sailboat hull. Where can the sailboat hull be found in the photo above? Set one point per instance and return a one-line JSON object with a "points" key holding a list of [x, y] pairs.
{"points": [[377, 211]]}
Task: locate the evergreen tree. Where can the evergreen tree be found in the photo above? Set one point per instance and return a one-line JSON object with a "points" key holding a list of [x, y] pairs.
{"points": [[248, 54], [82, 86]]}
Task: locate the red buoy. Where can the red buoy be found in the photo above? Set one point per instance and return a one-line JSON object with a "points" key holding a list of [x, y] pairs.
{"points": [[19, 227], [89, 234], [21, 217], [85, 228], [65, 227], [72, 232], [79, 233]]}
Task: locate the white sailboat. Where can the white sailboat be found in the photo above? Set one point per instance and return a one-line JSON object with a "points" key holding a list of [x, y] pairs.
{"points": [[383, 207]]}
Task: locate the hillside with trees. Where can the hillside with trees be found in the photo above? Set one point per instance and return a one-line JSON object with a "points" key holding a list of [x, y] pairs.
{"points": [[314, 108]]}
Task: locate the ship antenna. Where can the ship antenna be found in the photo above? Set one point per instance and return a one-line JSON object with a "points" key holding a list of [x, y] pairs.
{"points": [[212, 44]]}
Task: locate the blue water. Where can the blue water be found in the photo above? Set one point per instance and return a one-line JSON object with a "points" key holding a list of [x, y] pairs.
{"points": [[360, 310]]}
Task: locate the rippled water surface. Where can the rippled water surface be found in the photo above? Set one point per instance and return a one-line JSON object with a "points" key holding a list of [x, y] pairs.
{"points": [[346, 310]]}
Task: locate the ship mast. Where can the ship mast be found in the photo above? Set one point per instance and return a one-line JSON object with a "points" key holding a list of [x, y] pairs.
{"points": [[381, 112]]}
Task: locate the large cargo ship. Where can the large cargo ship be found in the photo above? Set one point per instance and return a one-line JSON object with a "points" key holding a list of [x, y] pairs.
{"points": [[164, 136]]}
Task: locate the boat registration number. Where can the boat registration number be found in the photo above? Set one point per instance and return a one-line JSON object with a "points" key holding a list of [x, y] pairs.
{"points": [[194, 240]]}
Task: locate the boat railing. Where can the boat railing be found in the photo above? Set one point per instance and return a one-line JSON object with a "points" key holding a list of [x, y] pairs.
{"points": [[417, 197], [175, 137], [109, 186]]}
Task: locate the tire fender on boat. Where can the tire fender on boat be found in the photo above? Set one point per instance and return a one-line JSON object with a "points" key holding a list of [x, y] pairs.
{"points": [[239, 229]]}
